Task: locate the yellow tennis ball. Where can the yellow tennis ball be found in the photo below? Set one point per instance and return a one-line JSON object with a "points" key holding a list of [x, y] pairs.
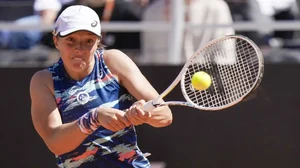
{"points": [[201, 80]]}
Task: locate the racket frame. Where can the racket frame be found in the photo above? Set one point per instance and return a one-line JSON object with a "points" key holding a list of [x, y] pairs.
{"points": [[155, 103]]}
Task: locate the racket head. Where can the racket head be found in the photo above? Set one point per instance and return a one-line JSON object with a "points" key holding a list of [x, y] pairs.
{"points": [[236, 66]]}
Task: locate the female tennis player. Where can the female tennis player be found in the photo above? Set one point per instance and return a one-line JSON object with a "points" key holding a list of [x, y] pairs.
{"points": [[82, 105]]}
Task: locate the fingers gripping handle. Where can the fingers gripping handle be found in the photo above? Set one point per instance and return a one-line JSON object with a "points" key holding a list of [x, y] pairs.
{"points": [[149, 106]]}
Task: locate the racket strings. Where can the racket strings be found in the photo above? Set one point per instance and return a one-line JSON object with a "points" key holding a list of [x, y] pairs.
{"points": [[243, 68], [233, 65]]}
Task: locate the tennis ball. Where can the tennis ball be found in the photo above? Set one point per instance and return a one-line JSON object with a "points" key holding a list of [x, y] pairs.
{"points": [[201, 80]]}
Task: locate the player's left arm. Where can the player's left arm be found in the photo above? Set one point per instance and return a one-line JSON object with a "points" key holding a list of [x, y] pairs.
{"points": [[130, 76]]}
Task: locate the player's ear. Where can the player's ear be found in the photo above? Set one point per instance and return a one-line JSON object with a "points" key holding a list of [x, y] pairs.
{"points": [[55, 38]]}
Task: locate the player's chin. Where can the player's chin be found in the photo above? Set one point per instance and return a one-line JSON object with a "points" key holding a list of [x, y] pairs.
{"points": [[78, 66]]}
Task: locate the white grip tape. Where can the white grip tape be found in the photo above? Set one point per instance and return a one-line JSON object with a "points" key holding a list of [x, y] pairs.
{"points": [[149, 106]]}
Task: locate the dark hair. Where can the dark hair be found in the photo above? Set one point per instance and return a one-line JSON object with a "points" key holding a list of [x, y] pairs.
{"points": [[101, 46]]}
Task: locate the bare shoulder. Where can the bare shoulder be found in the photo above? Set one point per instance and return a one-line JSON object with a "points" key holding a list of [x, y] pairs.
{"points": [[113, 56], [41, 78], [121, 65], [118, 62]]}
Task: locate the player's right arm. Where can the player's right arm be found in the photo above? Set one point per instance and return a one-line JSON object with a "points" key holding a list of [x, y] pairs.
{"points": [[60, 138]]}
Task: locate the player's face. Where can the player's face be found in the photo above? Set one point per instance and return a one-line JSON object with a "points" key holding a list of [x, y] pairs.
{"points": [[77, 49]]}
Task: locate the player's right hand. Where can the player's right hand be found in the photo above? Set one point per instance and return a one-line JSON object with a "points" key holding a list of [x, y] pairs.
{"points": [[112, 119], [136, 115]]}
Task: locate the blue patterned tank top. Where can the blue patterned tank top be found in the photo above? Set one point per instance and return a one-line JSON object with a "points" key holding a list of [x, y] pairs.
{"points": [[103, 148]]}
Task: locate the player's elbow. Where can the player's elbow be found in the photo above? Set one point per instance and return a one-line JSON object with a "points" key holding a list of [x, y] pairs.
{"points": [[55, 149], [59, 147]]}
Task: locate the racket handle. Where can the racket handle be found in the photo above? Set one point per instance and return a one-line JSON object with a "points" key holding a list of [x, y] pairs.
{"points": [[148, 106]]}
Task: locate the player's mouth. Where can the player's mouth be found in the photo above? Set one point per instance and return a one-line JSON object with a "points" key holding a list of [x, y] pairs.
{"points": [[78, 58]]}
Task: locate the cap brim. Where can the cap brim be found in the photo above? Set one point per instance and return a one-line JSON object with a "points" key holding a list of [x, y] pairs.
{"points": [[70, 31]]}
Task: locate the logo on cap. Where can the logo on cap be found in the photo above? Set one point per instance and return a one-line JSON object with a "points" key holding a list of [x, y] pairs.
{"points": [[94, 23]]}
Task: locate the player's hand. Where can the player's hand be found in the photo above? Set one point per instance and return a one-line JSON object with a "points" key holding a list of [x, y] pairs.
{"points": [[112, 119], [136, 115]]}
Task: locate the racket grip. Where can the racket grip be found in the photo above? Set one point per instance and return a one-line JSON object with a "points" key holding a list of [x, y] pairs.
{"points": [[148, 106]]}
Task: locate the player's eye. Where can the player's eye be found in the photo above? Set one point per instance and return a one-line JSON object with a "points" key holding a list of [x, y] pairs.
{"points": [[90, 41], [70, 39]]}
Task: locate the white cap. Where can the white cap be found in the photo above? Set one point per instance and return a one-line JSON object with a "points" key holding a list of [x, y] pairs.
{"points": [[75, 18]]}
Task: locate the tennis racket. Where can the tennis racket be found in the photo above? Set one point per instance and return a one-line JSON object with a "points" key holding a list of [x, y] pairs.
{"points": [[236, 66]]}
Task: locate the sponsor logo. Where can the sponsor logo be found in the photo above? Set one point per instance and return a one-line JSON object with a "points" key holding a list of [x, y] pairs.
{"points": [[83, 97], [94, 23]]}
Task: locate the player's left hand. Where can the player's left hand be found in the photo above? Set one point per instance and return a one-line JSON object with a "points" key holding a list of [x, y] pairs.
{"points": [[136, 115]]}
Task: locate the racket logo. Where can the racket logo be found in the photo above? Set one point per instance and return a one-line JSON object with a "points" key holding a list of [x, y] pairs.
{"points": [[83, 97]]}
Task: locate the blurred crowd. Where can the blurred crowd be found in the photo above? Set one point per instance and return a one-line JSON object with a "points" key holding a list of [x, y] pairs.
{"points": [[152, 46]]}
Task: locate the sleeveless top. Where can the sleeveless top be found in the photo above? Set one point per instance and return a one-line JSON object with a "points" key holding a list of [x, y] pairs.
{"points": [[103, 148]]}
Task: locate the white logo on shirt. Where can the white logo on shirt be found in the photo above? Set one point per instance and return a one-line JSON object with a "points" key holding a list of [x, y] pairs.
{"points": [[83, 97]]}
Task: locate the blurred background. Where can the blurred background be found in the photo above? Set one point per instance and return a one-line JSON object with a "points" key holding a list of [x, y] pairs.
{"points": [[152, 31], [159, 35]]}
